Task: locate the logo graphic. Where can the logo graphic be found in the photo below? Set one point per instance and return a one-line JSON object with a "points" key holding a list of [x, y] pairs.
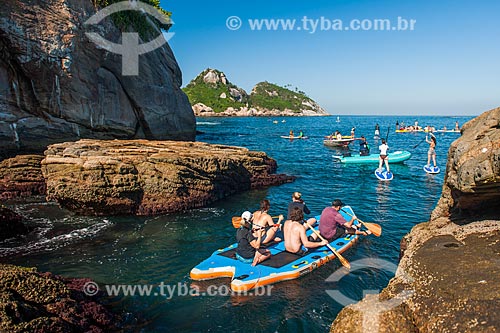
{"points": [[370, 314], [130, 49], [233, 23], [90, 288]]}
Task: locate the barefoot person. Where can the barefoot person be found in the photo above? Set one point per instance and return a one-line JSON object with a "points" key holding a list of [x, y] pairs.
{"points": [[383, 158], [332, 225], [295, 235], [261, 218], [431, 153], [249, 242]]}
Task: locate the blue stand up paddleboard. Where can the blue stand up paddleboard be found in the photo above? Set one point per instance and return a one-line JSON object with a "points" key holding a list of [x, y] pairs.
{"points": [[383, 174], [431, 169]]}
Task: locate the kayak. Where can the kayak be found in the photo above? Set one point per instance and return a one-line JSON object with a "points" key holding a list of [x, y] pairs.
{"points": [[294, 137], [281, 266], [395, 157], [337, 143]]}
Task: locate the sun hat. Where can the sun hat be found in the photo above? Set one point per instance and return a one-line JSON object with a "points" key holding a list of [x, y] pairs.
{"points": [[246, 216]]}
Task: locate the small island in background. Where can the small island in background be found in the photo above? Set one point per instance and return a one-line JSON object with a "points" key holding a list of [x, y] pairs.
{"points": [[211, 94]]}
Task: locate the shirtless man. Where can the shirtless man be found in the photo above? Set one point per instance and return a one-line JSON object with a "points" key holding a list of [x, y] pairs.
{"points": [[295, 234], [262, 219]]}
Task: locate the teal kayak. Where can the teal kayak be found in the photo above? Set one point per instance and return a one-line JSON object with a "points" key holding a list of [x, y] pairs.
{"points": [[396, 157]]}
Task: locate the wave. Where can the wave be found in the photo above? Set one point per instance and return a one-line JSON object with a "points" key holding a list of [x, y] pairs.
{"points": [[44, 243], [207, 123]]}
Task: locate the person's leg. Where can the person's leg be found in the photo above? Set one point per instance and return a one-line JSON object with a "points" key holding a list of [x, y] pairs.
{"points": [[380, 161], [428, 159], [434, 159], [260, 256], [387, 164], [270, 235]]}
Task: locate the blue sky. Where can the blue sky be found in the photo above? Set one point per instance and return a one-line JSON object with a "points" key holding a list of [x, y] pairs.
{"points": [[448, 65]]}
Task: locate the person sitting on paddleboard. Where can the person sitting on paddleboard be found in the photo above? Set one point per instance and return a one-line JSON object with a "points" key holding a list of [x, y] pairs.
{"points": [[432, 150], [364, 149], [383, 158], [291, 134], [301, 134], [332, 225], [352, 131], [298, 202], [262, 219], [295, 235], [249, 241]]}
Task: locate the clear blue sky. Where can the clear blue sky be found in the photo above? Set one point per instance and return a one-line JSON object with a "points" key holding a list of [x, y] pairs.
{"points": [[449, 65]]}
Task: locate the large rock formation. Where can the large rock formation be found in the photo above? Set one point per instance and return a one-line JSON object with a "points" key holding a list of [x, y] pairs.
{"points": [[450, 266], [21, 176], [212, 94], [41, 302], [150, 177], [56, 85]]}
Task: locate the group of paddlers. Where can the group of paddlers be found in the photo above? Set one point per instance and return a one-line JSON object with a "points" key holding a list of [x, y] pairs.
{"points": [[258, 229]]}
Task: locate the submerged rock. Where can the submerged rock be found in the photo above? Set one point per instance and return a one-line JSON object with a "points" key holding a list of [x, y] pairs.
{"points": [[56, 85], [143, 177], [21, 176], [450, 266], [11, 224], [41, 302]]}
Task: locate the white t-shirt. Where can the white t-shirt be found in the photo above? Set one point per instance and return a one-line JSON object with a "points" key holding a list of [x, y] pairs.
{"points": [[383, 149]]}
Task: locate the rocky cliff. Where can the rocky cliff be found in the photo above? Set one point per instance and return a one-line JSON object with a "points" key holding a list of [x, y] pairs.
{"points": [[450, 266], [212, 94], [56, 85], [150, 177]]}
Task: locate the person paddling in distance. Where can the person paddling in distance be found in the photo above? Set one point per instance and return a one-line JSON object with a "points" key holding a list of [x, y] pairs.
{"points": [[377, 130], [249, 242], [431, 153], [290, 134], [338, 136], [364, 149], [297, 201], [296, 240], [332, 224], [383, 158], [262, 219]]}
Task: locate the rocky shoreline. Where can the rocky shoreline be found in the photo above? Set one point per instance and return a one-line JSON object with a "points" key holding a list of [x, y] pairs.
{"points": [[31, 301], [451, 263], [201, 110]]}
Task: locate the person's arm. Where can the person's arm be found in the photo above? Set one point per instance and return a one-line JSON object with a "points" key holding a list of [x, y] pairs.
{"points": [[306, 210], [255, 243], [307, 243]]}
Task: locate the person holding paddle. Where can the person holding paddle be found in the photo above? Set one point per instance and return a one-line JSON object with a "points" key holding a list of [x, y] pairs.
{"points": [[431, 153], [383, 158], [296, 240], [332, 225], [262, 219], [249, 242]]}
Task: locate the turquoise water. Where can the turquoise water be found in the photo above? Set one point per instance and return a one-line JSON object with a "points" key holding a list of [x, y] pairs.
{"points": [[140, 250]]}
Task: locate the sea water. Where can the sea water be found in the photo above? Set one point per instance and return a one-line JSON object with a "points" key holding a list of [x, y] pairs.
{"points": [[161, 250]]}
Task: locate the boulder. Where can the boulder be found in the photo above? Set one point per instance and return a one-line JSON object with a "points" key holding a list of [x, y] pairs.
{"points": [[21, 176], [151, 177], [449, 272], [56, 85]]}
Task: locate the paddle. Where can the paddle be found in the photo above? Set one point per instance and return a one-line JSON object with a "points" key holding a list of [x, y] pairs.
{"points": [[387, 136], [373, 227], [237, 221], [418, 144], [343, 261]]}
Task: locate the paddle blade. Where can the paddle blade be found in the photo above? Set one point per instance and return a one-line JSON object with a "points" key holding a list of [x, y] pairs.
{"points": [[343, 261], [236, 221], [374, 228]]}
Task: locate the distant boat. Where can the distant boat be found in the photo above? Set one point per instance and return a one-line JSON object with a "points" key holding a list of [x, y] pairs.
{"points": [[283, 121], [275, 122], [338, 119]]}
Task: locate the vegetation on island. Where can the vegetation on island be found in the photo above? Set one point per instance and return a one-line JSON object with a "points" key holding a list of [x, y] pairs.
{"points": [[136, 20], [221, 95]]}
